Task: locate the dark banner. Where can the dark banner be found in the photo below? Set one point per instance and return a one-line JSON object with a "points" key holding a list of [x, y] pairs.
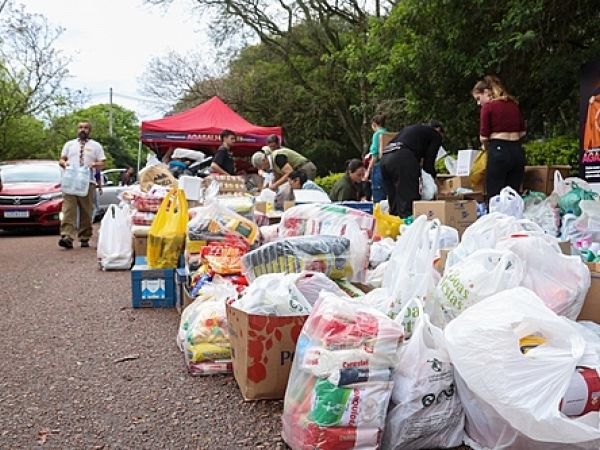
{"points": [[200, 138], [589, 120]]}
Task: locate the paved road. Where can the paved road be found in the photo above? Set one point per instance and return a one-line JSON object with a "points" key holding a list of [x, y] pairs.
{"points": [[63, 323]]}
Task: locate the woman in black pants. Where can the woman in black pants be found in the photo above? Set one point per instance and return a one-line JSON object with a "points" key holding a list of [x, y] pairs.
{"points": [[501, 129], [414, 147]]}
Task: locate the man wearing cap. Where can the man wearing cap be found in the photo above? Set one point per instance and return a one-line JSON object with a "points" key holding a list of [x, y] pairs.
{"points": [[415, 147], [282, 162]]}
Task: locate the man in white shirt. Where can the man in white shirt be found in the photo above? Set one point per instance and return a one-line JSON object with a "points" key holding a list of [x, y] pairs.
{"points": [[80, 152]]}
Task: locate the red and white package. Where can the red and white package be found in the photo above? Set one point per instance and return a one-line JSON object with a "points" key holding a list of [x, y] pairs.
{"points": [[583, 393]]}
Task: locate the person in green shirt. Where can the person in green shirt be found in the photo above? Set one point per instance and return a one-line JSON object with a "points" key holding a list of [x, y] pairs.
{"points": [[282, 162], [374, 170], [348, 188]]}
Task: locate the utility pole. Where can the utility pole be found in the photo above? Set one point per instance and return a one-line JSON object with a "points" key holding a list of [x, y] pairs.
{"points": [[110, 114]]}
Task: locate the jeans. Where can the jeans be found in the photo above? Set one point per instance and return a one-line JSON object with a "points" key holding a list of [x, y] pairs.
{"points": [[377, 187]]}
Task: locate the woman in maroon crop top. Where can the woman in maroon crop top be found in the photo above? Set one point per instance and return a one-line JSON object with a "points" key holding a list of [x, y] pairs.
{"points": [[501, 130]]}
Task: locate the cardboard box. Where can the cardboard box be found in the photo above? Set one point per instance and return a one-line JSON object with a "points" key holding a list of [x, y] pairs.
{"points": [[263, 349], [478, 196], [453, 183], [458, 214], [228, 184], [591, 304], [565, 247], [140, 245], [152, 288], [541, 178]]}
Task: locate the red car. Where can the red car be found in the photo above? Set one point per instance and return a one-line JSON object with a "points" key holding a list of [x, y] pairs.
{"points": [[30, 194]]}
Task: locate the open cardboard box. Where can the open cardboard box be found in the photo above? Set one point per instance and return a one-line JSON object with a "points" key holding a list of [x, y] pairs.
{"points": [[263, 349]]}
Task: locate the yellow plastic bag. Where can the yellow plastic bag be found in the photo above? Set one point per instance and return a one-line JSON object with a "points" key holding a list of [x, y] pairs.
{"points": [[386, 225], [477, 175], [166, 238]]}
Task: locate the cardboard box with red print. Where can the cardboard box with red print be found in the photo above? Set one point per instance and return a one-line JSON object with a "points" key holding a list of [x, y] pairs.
{"points": [[263, 349]]}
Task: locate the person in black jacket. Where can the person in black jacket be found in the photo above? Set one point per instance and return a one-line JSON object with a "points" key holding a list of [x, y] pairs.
{"points": [[414, 147]]}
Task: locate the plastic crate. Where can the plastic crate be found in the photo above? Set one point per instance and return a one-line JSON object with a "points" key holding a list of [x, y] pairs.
{"points": [[152, 288]]}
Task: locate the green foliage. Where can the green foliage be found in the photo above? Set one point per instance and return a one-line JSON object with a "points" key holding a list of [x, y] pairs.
{"points": [[120, 148], [561, 150], [23, 137], [328, 181]]}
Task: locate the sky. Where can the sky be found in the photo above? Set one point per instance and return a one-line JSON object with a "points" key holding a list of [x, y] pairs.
{"points": [[111, 42]]}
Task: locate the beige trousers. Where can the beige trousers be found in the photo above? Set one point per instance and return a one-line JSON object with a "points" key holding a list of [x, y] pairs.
{"points": [[85, 205]]}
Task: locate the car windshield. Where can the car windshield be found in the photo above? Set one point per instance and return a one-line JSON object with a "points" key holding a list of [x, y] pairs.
{"points": [[30, 173]]}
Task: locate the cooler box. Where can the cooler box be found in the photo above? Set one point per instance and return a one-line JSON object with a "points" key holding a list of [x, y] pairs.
{"points": [[152, 288]]}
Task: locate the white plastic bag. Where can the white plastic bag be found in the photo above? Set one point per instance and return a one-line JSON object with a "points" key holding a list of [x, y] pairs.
{"points": [[114, 239], [409, 272], [429, 188], [75, 181], [476, 277], [486, 232], [274, 294], [426, 410], [381, 251], [448, 237], [587, 225], [561, 281], [508, 202], [562, 186], [543, 212], [512, 399], [311, 284]]}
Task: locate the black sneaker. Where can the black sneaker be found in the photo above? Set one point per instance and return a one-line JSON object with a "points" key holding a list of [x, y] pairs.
{"points": [[85, 244], [65, 242]]}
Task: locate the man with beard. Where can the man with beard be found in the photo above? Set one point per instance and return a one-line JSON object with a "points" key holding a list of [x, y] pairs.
{"points": [[80, 152]]}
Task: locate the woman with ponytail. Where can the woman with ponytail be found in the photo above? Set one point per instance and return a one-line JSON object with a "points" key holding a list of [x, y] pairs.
{"points": [[501, 129]]}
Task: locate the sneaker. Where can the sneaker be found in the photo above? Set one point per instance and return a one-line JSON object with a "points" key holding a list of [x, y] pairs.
{"points": [[84, 244], [65, 242]]}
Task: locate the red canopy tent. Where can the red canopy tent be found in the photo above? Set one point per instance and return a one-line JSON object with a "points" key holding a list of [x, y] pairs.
{"points": [[200, 127]]}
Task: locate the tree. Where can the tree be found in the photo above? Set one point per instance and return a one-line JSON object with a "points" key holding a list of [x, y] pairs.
{"points": [[121, 148], [313, 55], [437, 50], [31, 69]]}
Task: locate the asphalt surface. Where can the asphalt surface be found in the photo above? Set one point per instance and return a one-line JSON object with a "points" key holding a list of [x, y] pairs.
{"points": [[65, 325]]}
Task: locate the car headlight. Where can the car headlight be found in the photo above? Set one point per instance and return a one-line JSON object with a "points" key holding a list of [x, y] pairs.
{"points": [[53, 196]]}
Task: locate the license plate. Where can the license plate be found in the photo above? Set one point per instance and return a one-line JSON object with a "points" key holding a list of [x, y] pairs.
{"points": [[16, 214]]}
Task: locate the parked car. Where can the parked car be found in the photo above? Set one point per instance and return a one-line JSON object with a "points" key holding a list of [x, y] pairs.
{"points": [[111, 188], [30, 195]]}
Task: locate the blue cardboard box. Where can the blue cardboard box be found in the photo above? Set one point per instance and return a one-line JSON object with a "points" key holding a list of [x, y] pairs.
{"points": [[152, 288]]}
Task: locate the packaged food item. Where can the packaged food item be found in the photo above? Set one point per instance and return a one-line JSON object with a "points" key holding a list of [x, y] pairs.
{"points": [[340, 383], [326, 254], [528, 342], [583, 393], [142, 218]]}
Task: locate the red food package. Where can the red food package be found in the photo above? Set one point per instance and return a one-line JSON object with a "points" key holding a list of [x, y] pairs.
{"points": [[583, 393]]}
